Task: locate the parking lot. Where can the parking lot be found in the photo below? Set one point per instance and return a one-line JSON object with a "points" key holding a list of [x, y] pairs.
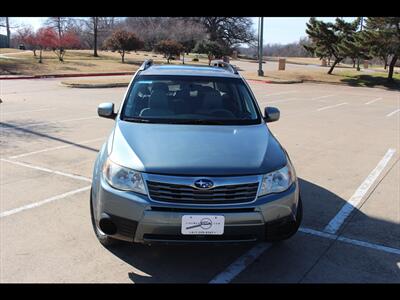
{"points": [[345, 145]]}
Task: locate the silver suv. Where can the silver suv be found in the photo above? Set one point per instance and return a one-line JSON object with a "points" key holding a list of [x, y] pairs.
{"points": [[190, 159]]}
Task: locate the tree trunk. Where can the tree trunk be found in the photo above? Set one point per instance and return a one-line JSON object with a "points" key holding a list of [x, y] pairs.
{"points": [[391, 68], [95, 22], [385, 60], [40, 56], [333, 66], [34, 52], [354, 63], [8, 32], [123, 56], [183, 58]]}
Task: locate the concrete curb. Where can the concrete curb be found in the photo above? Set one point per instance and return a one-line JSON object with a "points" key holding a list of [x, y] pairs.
{"points": [[66, 75]]}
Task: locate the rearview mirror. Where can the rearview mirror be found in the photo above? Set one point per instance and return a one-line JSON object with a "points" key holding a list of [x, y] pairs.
{"points": [[106, 110], [271, 114]]}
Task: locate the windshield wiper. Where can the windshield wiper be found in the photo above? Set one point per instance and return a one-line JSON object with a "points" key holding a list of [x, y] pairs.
{"points": [[132, 119]]}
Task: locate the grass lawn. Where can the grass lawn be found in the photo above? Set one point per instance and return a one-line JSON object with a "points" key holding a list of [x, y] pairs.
{"points": [[79, 61], [340, 76], [19, 62]]}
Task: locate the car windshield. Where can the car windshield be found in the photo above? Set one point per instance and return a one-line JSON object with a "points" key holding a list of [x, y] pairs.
{"points": [[190, 100]]}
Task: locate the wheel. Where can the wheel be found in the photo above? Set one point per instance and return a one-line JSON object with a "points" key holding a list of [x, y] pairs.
{"points": [[284, 231], [104, 239]]}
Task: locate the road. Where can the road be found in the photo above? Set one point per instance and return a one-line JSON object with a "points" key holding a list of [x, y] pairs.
{"points": [[345, 145]]}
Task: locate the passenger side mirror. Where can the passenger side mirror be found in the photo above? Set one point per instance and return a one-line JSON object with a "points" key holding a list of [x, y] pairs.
{"points": [[106, 110], [271, 114]]}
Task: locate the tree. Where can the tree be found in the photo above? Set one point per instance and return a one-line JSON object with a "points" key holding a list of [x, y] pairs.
{"points": [[329, 39], [382, 36], [57, 23], [46, 38], [213, 49], [155, 29], [169, 48], [229, 31], [6, 23], [68, 40], [122, 41], [27, 36]]}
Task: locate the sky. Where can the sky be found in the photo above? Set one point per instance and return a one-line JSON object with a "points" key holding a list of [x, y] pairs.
{"points": [[277, 30]]}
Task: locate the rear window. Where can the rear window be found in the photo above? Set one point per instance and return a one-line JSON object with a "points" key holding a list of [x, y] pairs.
{"points": [[190, 100]]}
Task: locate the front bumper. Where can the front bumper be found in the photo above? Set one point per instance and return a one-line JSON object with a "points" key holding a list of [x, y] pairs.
{"points": [[142, 220]]}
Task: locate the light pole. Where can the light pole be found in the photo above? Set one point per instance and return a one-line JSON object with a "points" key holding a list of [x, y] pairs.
{"points": [[358, 58], [260, 46]]}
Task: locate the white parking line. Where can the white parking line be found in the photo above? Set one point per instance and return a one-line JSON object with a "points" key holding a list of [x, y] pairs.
{"points": [[40, 203], [350, 241], [322, 97], [331, 106], [47, 170], [281, 93], [281, 101], [392, 113], [54, 148], [372, 101], [25, 111], [241, 263], [345, 211], [250, 256], [45, 123]]}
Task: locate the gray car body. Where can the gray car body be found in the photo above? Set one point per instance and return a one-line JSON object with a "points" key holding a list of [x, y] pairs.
{"points": [[184, 153]]}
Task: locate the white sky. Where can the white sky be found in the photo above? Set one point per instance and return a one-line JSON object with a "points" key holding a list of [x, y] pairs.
{"points": [[281, 30]]}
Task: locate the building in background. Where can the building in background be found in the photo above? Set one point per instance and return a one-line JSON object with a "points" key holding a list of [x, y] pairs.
{"points": [[3, 41]]}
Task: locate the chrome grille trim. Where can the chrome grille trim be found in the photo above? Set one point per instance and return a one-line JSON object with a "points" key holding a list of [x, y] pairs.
{"points": [[180, 190]]}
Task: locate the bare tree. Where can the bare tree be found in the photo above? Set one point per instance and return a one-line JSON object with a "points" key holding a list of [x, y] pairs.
{"points": [[58, 23]]}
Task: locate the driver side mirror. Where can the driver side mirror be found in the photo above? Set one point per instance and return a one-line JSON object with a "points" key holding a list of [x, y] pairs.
{"points": [[271, 114], [106, 110]]}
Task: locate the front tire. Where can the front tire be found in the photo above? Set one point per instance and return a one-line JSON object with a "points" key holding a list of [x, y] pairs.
{"points": [[287, 230], [104, 239]]}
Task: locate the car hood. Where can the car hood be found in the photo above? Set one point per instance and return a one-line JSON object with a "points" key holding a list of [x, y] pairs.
{"points": [[196, 150]]}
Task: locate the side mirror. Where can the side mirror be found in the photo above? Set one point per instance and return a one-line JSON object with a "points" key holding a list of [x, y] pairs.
{"points": [[106, 110], [271, 114]]}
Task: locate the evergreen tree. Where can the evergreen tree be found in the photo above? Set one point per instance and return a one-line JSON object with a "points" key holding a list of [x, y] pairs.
{"points": [[382, 37], [329, 39]]}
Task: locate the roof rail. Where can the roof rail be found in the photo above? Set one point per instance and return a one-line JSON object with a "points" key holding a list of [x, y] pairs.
{"points": [[146, 64], [224, 65]]}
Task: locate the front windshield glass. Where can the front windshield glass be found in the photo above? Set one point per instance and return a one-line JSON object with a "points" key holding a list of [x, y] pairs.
{"points": [[190, 100]]}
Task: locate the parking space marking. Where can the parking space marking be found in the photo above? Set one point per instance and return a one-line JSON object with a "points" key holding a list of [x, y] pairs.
{"points": [[373, 101], [322, 97], [280, 93], [281, 101], [250, 256], [393, 112], [13, 126], [331, 106], [350, 241], [47, 170], [26, 111], [40, 203], [346, 210], [241, 263], [54, 148]]}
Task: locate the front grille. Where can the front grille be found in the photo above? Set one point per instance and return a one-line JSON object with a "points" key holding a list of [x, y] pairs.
{"points": [[227, 194]]}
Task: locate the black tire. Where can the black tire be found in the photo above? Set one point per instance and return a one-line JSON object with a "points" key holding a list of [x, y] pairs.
{"points": [[104, 239], [285, 231]]}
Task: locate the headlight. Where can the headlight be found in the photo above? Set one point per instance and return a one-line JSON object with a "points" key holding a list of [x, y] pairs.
{"points": [[277, 181], [123, 178]]}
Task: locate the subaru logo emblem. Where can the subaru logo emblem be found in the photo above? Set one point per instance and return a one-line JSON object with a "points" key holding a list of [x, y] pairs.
{"points": [[203, 184]]}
